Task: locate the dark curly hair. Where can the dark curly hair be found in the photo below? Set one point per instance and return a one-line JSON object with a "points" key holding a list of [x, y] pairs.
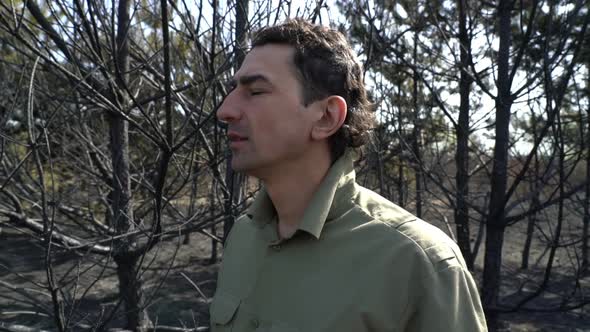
{"points": [[326, 65]]}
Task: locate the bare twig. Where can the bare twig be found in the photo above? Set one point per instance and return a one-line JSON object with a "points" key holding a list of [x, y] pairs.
{"points": [[196, 287]]}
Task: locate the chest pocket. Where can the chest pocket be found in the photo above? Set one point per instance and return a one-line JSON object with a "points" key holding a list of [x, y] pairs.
{"points": [[222, 312]]}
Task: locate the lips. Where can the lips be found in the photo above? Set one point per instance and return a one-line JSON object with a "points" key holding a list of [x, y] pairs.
{"points": [[235, 137], [236, 140]]}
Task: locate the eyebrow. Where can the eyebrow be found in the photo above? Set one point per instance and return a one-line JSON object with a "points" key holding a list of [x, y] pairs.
{"points": [[249, 79]]}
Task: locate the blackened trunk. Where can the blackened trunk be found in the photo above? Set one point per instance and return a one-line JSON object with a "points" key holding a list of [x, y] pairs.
{"points": [[131, 292], [495, 223], [416, 133], [462, 153], [586, 226], [130, 285], [380, 171], [524, 263], [401, 197], [241, 31], [212, 211], [530, 230], [400, 180]]}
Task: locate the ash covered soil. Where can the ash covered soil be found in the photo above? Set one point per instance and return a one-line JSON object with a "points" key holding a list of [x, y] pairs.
{"points": [[90, 283]]}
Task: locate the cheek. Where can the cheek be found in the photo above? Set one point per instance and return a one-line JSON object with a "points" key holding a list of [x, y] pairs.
{"points": [[289, 138], [278, 125]]}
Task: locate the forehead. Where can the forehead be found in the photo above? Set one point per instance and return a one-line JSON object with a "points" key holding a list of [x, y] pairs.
{"points": [[274, 61]]}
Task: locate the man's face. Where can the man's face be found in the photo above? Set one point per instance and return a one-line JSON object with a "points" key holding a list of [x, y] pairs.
{"points": [[268, 125]]}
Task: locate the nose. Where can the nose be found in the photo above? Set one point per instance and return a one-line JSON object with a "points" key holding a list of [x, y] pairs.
{"points": [[229, 110]]}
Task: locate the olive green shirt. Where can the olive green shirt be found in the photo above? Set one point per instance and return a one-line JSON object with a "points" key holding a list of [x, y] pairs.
{"points": [[357, 263]]}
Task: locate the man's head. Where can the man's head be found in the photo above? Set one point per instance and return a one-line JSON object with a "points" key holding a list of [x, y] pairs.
{"points": [[299, 91], [326, 65]]}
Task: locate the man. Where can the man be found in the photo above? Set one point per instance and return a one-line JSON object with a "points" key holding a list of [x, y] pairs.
{"points": [[316, 251]]}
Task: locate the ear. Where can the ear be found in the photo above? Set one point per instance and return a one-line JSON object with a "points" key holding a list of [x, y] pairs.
{"points": [[332, 118]]}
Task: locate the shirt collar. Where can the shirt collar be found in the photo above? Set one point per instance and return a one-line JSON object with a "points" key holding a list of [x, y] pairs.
{"points": [[331, 200]]}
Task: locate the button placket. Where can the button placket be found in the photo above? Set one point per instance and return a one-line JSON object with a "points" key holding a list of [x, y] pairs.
{"points": [[276, 245]]}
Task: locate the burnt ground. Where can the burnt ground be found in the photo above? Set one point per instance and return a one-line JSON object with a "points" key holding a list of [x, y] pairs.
{"points": [[175, 302]]}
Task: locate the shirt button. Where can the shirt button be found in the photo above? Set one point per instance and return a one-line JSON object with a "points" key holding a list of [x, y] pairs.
{"points": [[255, 323]]}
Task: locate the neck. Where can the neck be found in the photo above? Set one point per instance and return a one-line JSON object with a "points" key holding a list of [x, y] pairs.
{"points": [[292, 188]]}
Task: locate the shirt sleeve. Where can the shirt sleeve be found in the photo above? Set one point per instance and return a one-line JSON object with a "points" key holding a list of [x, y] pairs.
{"points": [[449, 301]]}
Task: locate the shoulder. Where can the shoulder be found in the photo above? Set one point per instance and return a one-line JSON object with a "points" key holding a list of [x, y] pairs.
{"points": [[419, 238]]}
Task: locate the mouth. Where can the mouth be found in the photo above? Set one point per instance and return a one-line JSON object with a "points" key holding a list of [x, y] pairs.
{"points": [[235, 138]]}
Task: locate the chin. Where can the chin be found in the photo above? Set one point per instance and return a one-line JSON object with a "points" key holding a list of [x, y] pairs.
{"points": [[247, 169], [240, 166]]}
